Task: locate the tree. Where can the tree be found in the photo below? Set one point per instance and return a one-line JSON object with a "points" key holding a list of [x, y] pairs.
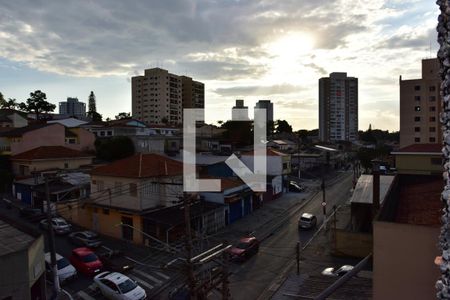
{"points": [[91, 105], [7, 104], [123, 115], [114, 148], [2, 100], [95, 116], [238, 132], [282, 126], [37, 104]]}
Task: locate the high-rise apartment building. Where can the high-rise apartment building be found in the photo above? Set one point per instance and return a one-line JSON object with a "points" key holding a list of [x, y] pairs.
{"points": [[338, 108], [420, 106], [73, 108], [268, 106], [239, 112], [159, 97], [193, 93]]}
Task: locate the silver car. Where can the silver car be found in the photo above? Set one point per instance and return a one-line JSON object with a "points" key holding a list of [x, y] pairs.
{"points": [[307, 221]]}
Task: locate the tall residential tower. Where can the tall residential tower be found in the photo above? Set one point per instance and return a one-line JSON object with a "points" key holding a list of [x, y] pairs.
{"points": [[338, 108]]}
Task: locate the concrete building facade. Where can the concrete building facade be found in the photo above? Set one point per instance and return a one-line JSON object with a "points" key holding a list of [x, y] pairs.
{"points": [[158, 97], [420, 106], [338, 108], [73, 108], [239, 112]]}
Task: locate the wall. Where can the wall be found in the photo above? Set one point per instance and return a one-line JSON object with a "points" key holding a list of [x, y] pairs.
{"points": [[417, 164], [353, 244], [274, 164], [53, 135], [403, 265], [86, 140], [39, 165]]}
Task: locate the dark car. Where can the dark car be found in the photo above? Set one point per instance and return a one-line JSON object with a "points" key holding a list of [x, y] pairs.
{"points": [[32, 214], [115, 261], [247, 247], [295, 187], [85, 238]]}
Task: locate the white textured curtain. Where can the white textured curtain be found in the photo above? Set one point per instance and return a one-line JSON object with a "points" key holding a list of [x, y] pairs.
{"points": [[443, 284]]}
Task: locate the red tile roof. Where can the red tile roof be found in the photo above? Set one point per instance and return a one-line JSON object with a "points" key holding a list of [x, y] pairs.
{"points": [[50, 152], [419, 148], [141, 166]]}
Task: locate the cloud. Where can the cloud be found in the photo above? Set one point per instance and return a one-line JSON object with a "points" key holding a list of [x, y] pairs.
{"points": [[257, 90]]}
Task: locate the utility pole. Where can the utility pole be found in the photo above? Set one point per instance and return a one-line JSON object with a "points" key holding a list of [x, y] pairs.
{"points": [[297, 250], [188, 244], [51, 236]]}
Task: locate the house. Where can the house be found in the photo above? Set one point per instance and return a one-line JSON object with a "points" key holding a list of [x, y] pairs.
{"points": [[238, 199], [123, 191], [22, 261], [45, 158], [283, 145], [22, 139], [62, 187], [278, 168], [419, 159], [11, 118], [69, 122]]}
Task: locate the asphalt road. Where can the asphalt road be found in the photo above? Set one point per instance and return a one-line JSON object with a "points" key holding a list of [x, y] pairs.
{"points": [[250, 279]]}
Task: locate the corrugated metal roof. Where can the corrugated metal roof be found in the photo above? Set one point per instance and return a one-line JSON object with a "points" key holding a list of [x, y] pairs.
{"points": [[12, 239], [363, 192]]}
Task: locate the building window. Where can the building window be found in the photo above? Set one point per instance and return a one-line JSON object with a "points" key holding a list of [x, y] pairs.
{"points": [[118, 187], [100, 185], [133, 189], [432, 88], [102, 133], [416, 140], [109, 133], [417, 98], [432, 119], [432, 98], [432, 129], [436, 161], [66, 165], [417, 88], [416, 129], [432, 140], [106, 211], [416, 119], [432, 108], [417, 108]]}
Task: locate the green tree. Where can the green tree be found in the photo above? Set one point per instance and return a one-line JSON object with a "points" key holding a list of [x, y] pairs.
{"points": [[37, 104], [114, 148], [2, 100], [238, 132], [123, 115], [282, 126], [95, 116]]}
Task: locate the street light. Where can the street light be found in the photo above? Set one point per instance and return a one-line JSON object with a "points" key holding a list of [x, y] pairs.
{"points": [[147, 235]]}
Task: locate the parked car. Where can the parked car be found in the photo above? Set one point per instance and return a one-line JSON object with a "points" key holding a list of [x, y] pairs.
{"points": [[85, 238], [337, 272], [32, 214], [60, 226], [114, 285], [247, 247], [85, 261], [65, 271], [115, 261], [295, 187], [307, 221]]}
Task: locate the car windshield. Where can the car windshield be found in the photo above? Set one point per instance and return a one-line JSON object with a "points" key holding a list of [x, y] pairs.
{"points": [[89, 258], [127, 286], [242, 245], [305, 219], [61, 223], [62, 263]]}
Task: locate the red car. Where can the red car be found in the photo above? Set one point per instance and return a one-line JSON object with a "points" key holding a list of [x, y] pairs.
{"points": [[246, 247], [85, 261]]}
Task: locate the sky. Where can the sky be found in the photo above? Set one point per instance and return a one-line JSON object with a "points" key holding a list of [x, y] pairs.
{"points": [[240, 49]]}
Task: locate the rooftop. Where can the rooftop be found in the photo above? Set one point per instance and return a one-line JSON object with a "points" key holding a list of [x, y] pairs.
{"points": [[141, 166], [363, 192], [18, 132], [420, 149], [269, 152], [12, 238], [50, 152]]}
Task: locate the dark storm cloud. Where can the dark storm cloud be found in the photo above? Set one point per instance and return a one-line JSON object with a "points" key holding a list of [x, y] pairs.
{"points": [[115, 37]]}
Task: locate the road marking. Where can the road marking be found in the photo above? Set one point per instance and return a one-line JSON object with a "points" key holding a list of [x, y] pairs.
{"points": [[144, 283], [162, 275], [85, 296], [148, 276]]}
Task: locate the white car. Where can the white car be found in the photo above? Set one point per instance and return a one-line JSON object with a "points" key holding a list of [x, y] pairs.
{"points": [[114, 285], [337, 272], [60, 226], [65, 270]]}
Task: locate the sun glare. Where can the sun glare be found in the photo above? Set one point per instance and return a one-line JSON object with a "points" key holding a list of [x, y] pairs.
{"points": [[292, 45]]}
